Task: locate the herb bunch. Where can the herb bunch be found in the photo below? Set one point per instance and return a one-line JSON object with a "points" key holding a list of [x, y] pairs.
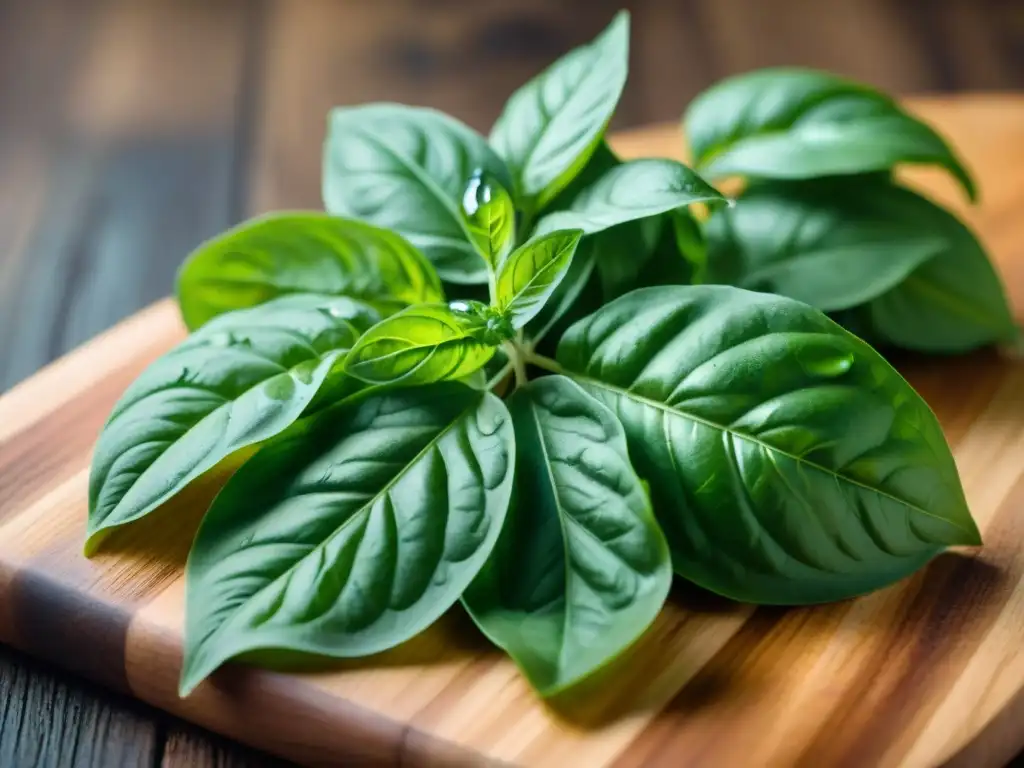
{"points": [[526, 375]]}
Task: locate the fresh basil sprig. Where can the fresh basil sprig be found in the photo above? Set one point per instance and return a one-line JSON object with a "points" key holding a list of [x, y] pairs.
{"points": [[613, 393]]}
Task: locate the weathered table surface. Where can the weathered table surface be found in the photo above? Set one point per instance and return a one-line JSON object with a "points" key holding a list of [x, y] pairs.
{"points": [[132, 129]]}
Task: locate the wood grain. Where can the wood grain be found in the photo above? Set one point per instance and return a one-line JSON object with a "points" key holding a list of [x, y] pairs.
{"points": [[926, 671]]}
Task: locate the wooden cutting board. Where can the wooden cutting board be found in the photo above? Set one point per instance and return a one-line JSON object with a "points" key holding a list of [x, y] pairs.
{"points": [[928, 671]]}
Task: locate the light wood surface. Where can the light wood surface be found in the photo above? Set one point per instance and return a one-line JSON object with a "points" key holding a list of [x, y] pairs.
{"points": [[928, 671]]}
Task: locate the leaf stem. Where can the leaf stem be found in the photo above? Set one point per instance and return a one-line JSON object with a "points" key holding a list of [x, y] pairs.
{"points": [[492, 285], [500, 376], [518, 360], [544, 362]]}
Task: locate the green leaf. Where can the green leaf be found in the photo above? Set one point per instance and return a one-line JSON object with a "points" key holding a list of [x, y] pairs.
{"points": [[577, 295], [551, 126], [599, 163], [288, 253], [833, 245], [691, 244], [788, 462], [581, 568], [490, 218], [796, 124], [635, 190], [952, 303], [351, 533], [427, 343], [407, 169], [623, 254], [531, 274], [242, 378]]}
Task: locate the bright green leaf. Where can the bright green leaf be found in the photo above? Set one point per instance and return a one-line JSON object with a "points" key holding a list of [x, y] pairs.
{"points": [[407, 169], [551, 126], [577, 295], [788, 462], [242, 378], [490, 218], [581, 568], [531, 274], [798, 124], [287, 253], [635, 190], [427, 343], [351, 533]]}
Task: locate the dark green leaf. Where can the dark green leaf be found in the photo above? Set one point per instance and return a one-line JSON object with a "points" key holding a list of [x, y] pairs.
{"points": [[798, 124], [531, 274], [581, 568], [242, 378], [691, 244], [353, 532], [833, 245], [490, 218], [424, 344], [787, 461], [407, 169], [952, 303], [623, 254], [289, 253], [635, 190], [552, 125]]}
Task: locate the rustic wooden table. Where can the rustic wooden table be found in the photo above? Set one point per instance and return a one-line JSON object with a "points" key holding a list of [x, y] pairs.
{"points": [[132, 129]]}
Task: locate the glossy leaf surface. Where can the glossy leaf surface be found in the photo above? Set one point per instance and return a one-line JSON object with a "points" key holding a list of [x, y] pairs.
{"points": [[490, 218], [551, 126], [830, 245], [630, 191], [287, 253], [407, 169], [241, 379], [424, 344], [581, 568], [799, 124], [531, 274], [353, 532], [788, 462]]}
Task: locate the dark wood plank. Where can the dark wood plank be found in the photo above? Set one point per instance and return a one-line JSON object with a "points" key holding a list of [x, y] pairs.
{"points": [[190, 747], [48, 720]]}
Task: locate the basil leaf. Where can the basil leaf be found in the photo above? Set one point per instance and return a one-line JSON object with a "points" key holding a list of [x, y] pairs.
{"points": [[630, 191], [287, 253], [551, 126], [490, 218], [796, 124], [738, 408], [831, 245], [581, 568], [599, 163], [689, 241], [531, 274], [351, 533], [953, 302], [406, 169], [423, 344], [567, 302], [242, 378], [623, 254]]}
